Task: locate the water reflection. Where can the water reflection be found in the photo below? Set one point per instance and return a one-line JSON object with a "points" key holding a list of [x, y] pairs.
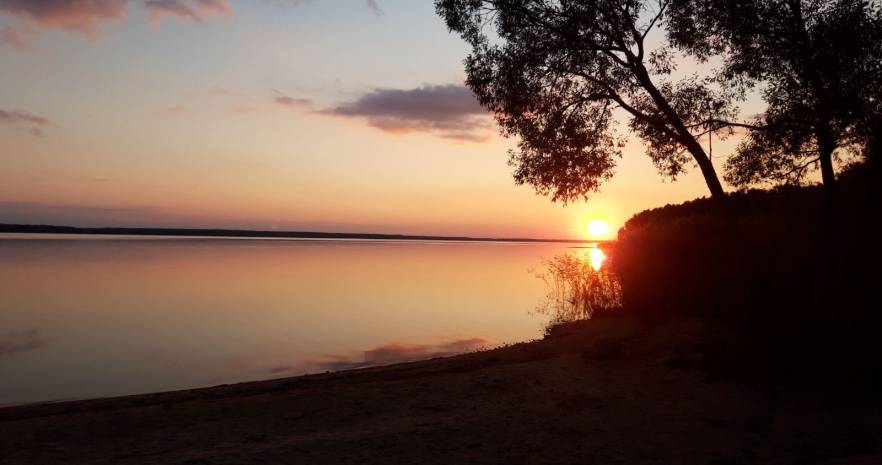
{"points": [[386, 354], [113, 317], [595, 256], [20, 341], [577, 286]]}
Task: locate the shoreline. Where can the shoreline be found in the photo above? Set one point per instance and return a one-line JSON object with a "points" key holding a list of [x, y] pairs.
{"points": [[614, 389]]}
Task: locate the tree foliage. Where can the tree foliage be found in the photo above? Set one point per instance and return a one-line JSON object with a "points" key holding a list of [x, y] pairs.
{"points": [[819, 65], [558, 74]]}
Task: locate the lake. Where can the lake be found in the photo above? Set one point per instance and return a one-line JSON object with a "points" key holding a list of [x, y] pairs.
{"points": [[90, 316]]}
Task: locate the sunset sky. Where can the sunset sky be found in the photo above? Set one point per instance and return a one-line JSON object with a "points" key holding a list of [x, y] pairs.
{"points": [[331, 115]]}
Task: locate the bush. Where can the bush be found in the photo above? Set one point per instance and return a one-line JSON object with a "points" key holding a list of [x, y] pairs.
{"points": [[792, 286]]}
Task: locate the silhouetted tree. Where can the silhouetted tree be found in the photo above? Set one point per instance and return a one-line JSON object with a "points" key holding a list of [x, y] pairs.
{"points": [[818, 62], [558, 73]]}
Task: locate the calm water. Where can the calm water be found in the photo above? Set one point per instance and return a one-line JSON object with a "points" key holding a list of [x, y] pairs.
{"points": [[92, 317]]}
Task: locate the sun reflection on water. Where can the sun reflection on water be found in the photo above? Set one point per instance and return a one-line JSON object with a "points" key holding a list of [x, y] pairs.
{"points": [[593, 256]]}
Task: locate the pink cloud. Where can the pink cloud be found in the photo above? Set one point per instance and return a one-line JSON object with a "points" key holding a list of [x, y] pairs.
{"points": [[185, 11], [448, 111], [81, 16], [86, 16], [217, 6]]}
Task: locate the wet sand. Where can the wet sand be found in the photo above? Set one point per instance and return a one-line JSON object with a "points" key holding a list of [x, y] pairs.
{"points": [[607, 391]]}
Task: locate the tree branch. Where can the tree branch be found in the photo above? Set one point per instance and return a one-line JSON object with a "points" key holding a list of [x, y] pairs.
{"points": [[661, 8], [720, 124]]}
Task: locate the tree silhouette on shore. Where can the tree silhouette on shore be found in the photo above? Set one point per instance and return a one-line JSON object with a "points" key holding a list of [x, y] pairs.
{"points": [[819, 63], [560, 75]]}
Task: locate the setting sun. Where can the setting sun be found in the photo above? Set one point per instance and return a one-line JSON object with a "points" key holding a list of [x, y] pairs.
{"points": [[597, 228]]}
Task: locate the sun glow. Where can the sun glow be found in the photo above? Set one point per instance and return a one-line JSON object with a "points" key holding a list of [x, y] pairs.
{"points": [[596, 256], [597, 228]]}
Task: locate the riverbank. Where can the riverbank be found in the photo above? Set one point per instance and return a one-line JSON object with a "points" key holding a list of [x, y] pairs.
{"points": [[615, 389]]}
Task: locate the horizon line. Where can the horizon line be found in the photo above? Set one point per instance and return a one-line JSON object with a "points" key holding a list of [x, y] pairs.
{"points": [[224, 232]]}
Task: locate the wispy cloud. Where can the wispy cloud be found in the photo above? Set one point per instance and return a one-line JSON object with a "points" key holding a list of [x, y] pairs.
{"points": [[289, 101], [449, 111], [15, 116], [82, 16], [216, 6], [24, 121], [185, 10], [375, 7], [85, 16]]}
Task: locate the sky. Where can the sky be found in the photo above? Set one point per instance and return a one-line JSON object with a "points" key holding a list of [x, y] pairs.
{"points": [[311, 115]]}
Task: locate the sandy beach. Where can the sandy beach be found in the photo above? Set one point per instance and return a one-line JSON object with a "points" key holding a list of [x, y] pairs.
{"points": [[610, 390]]}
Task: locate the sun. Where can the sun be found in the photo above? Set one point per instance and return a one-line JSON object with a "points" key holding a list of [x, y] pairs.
{"points": [[597, 228]]}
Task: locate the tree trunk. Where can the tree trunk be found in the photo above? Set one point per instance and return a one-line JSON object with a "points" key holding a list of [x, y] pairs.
{"points": [[707, 169], [828, 176], [874, 160], [695, 149], [713, 182], [826, 146]]}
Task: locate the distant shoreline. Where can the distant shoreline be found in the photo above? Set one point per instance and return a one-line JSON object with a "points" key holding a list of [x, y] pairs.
{"points": [[194, 232]]}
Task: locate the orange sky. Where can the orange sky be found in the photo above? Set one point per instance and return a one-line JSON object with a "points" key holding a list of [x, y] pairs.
{"points": [[335, 116]]}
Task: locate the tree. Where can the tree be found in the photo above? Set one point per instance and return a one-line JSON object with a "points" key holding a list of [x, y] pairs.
{"points": [[818, 62], [559, 74]]}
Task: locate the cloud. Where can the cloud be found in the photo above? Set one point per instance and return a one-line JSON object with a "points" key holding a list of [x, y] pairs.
{"points": [[81, 16], [185, 10], [287, 101], [14, 116], [372, 4], [386, 354], [449, 111], [85, 16], [215, 6], [24, 121], [291, 101]]}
